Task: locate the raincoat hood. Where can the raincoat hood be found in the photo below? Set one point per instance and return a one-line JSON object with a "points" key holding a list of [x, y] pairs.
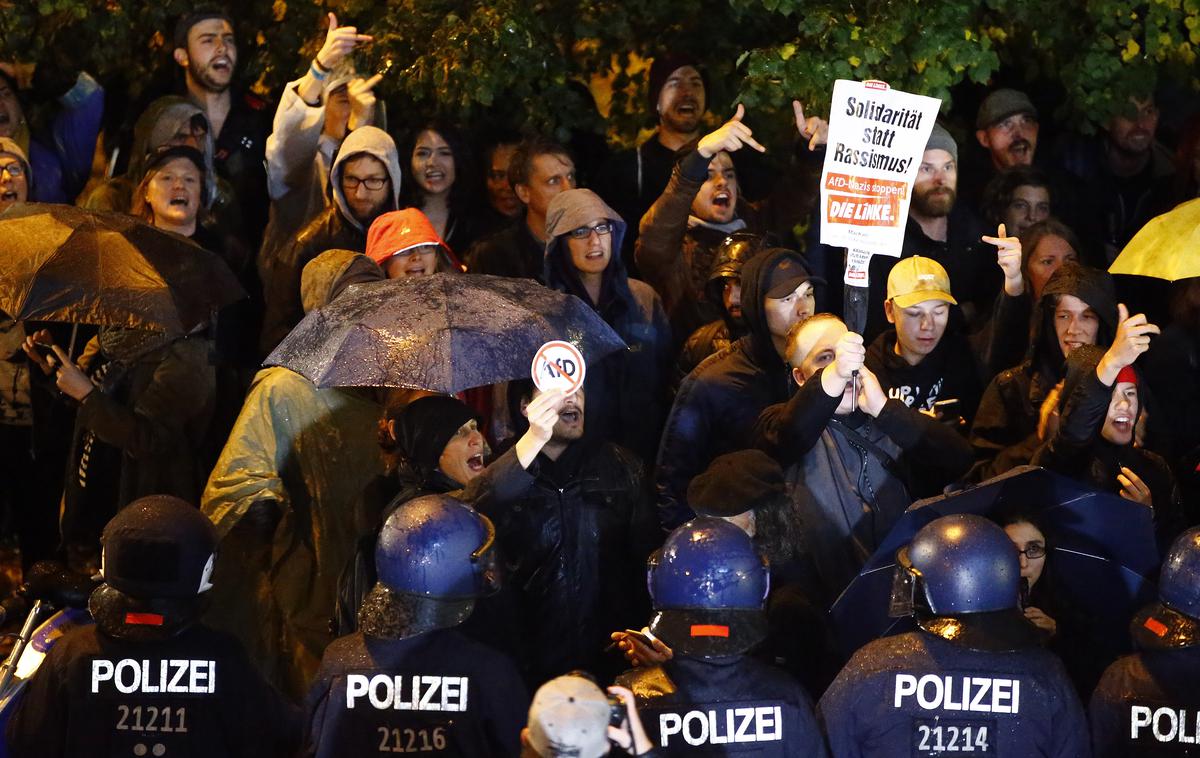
{"points": [[397, 232], [365, 140], [571, 210], [330, 273], [756, 276], [161, 121], [11, 147], [1092, 286]]}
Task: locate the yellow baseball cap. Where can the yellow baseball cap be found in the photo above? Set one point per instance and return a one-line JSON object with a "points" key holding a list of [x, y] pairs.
{"points": [[917, 279]]}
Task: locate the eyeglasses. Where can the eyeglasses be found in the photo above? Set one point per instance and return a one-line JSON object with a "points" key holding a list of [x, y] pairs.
{"points": [[372, 183], [584, 232], [1033, 551], [12, 169]]}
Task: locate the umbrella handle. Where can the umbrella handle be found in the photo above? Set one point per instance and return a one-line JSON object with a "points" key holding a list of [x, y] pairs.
{"points": [[854, 391]]}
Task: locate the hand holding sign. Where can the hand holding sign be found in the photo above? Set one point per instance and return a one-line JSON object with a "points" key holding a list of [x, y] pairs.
{"points": [[558, 365], [814, 128], [729, 137], [1008, 256], [542, 413]]}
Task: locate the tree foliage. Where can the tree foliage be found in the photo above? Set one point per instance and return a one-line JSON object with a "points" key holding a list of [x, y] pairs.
{"points": [[528, 63]]}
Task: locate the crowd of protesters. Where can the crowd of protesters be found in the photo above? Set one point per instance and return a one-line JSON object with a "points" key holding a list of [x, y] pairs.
{"points": [[996, 340]]}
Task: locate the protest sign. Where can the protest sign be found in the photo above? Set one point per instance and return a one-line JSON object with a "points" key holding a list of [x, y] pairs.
{"points": [[558, 365], [877, 137]]}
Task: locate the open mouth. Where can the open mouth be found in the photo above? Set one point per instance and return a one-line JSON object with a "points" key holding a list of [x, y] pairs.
{"points": [[222, 64], [722, 199], [1071, 344], [8, 196], [418, 270], [434, 176], [1020, 146], [5, 119], [475, 463], [688, 107], [180, 201], [569, 417], [1123, 424]]}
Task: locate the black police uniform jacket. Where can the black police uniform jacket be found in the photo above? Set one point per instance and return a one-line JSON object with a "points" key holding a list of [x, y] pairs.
{"points": [[1148, 704], [917, 694], [729, 706], [435, 692], [196, 694]]}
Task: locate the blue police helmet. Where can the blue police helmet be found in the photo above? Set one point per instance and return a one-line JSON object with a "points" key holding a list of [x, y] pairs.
{"points": [[1174, 621], [961, 577], [967, 564], [708, 585], [708, 563], [437, 547], [1179, 584]]}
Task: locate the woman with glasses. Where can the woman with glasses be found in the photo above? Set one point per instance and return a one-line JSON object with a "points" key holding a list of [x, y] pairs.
{"points": [[1031, 546], [626, 390]]}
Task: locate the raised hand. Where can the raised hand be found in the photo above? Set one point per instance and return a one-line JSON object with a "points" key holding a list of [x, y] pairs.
{"points": [[1008, 257], [729, 137], [814, 128], [1133, 339], [340, 41]]}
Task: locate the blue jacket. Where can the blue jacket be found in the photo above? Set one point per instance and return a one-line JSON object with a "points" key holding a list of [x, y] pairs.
{"points": [[365, 699], [724, 706], [1136, 709], [917, 694]]}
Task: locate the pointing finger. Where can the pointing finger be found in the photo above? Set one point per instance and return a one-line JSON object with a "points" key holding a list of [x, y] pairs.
{"points": [[1001, 231], [370, 83]]}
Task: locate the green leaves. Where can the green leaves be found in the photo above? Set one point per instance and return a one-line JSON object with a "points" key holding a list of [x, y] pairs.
{"points": [[529, 64]]}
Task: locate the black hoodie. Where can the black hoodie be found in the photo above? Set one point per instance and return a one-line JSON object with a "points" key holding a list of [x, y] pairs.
{"points": [[1004, 434], [947, 373], [717, 408], [1078, 449]]}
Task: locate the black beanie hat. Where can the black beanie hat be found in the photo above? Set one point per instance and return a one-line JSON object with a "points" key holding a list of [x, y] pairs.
{"points": [[661, 70], [424, 426], [735, 483], [186, 22]]}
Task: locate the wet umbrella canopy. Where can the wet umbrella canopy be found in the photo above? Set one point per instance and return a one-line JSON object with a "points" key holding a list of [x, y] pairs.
{"points": [[62, 263], [1102, 546], [443, 333]]}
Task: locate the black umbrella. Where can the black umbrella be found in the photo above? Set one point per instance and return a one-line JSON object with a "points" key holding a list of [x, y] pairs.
{"points": [[443, 333], [1103, 549], [62, 263]]}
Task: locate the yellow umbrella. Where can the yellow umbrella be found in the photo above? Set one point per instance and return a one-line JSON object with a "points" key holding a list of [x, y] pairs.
{"points": [[1167, 247]]}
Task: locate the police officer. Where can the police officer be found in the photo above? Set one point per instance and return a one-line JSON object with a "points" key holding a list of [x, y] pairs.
{"points": [[1148, 703], [148, 679], [708, 585], [972, 678], [407, 681]]}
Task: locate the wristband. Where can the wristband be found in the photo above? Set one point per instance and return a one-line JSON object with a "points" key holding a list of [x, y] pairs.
{"points": [[315, 71]]}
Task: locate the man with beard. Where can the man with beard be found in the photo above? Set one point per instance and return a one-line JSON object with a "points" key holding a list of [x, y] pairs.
{"points": [[1123, 172], [633, 179], [206, 49], [941, 229], [575, 540], [364, 183]]}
